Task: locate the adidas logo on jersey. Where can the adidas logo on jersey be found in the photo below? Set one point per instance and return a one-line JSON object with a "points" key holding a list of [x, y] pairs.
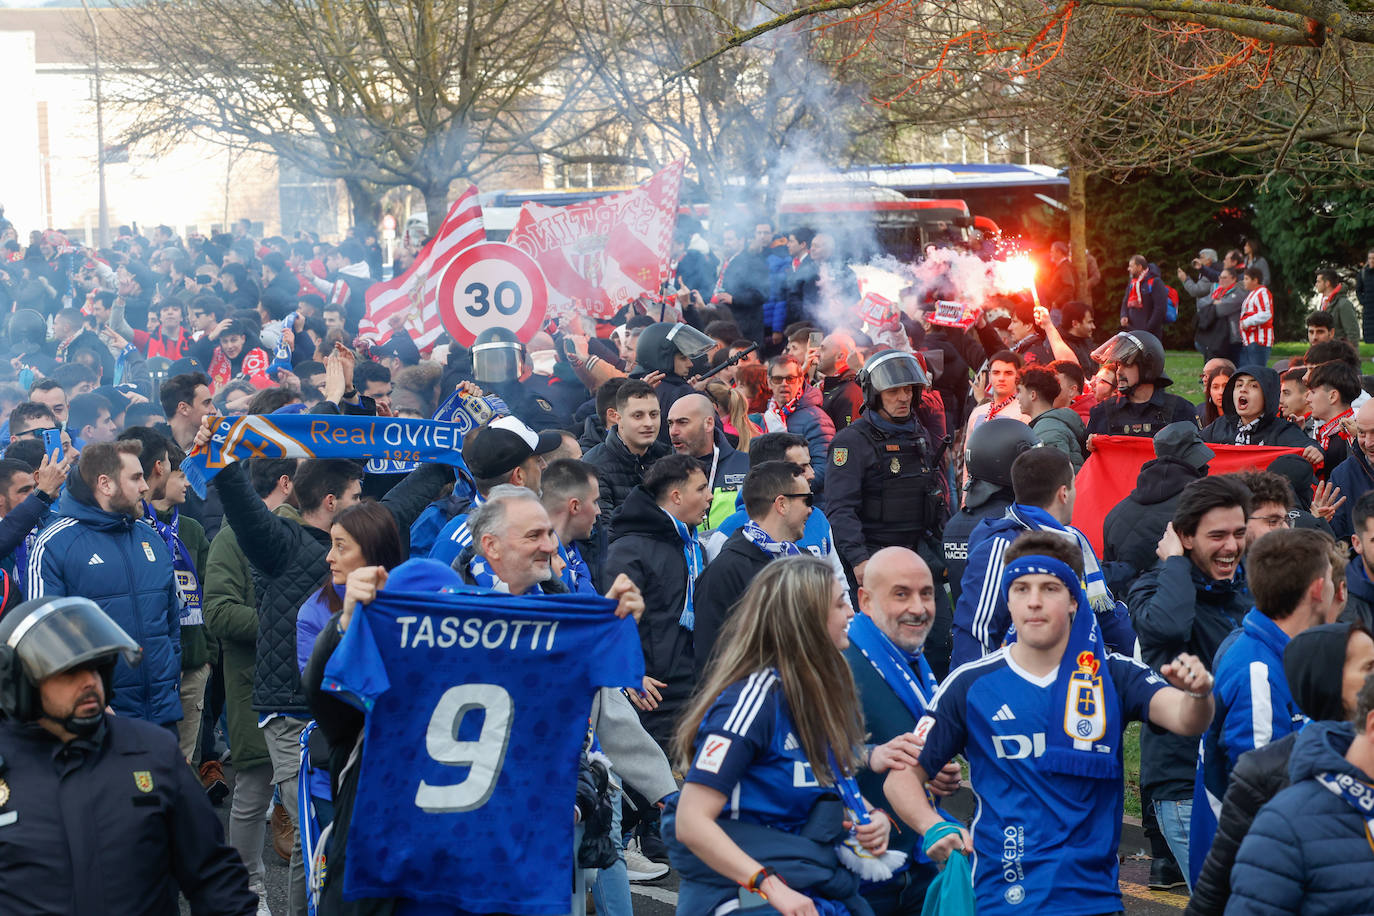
{"points": [[1004, 714], [95, 560], [790, 743]]}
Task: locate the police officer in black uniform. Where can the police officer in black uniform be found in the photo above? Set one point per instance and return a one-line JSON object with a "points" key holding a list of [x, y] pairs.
{"points": [[887, 488], [988, 494], [678, 351], [1141, 407], [99, 814], [500, 367]]}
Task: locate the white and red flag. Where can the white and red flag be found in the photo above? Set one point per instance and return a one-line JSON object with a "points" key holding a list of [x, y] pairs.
{"points": [[414, 294], [599, 254]]}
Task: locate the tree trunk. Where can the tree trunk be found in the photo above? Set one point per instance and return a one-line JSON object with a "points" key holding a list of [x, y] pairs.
{"points": [[364, 203], [1078, 228], [436, 204]]}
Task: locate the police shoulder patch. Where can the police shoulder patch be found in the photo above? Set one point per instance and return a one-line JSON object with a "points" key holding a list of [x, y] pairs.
{"points": [[143, 779], [544, 405], [840, 456]]}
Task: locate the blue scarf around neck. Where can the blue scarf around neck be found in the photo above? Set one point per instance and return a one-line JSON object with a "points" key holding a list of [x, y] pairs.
{"points": [[691, 555], [188, 581], [764, 541], [912, 681], [1092, 711]]}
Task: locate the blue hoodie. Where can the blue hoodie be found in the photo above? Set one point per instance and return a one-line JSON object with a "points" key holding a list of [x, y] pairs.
{"points": [[1308, 850]]}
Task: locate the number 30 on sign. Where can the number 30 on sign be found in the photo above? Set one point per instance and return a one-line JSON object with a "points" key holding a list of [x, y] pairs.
{"points": [[492, 285]]}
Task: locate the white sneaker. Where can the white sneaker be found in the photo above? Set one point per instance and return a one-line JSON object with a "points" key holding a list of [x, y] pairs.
{"points": [[638, 868]]}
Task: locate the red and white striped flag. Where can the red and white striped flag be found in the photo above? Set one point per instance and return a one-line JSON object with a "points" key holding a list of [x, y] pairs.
{"points": [[414, 293]]}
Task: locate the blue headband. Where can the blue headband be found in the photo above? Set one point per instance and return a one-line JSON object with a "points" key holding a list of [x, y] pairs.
{"points": [[1037, 564]]}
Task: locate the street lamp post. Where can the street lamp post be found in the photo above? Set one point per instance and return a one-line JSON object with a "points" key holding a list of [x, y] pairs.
{"points": [[103, 231]]}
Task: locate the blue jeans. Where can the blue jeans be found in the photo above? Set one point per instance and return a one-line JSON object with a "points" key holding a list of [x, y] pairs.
{"points": [[1174, 820], [611, 891], [1253, 355]]}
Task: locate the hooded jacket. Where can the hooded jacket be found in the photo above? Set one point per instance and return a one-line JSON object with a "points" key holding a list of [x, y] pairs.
{"points": [[646, 547], [842, 398], [1272, 429], [121, 564], [1262, 773], [1308, 850], [1132, 529], [1062, 428], [1176, 608]]}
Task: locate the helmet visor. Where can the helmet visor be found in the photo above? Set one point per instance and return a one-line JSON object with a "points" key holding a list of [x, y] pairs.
{"points": [[496, 362], [690, 342], [1125, 348], [895, 369], [65, 633]]}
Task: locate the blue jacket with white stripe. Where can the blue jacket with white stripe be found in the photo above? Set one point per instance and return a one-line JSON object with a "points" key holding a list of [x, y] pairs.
{"points": [[121, 564], [981, 618]]}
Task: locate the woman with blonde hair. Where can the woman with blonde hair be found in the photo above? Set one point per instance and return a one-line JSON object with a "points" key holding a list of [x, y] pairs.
{"points": [[733, 411], [770, 745]]}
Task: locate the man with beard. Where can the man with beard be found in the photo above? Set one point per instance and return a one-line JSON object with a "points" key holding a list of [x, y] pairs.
{"points": [[886, 643], [693, 431], [99, 549]]}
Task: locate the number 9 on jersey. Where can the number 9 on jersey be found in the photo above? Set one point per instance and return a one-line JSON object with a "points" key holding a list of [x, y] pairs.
{"points": [[492, 285]]}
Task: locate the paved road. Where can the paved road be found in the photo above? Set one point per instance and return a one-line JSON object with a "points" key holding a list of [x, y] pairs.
{"points": [[660, 897]]}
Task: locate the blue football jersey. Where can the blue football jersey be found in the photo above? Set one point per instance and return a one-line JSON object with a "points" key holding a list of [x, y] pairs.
{"points": [[477, 708], [747, 749], [1043, 842], [452, 539]]}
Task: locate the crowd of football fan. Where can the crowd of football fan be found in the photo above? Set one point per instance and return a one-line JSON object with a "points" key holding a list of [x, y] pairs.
{"points": [[704, 458]]}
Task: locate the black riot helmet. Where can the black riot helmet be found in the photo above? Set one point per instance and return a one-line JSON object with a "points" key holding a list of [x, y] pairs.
{"points": [[47, 636], [1136, 348], [497, 357], [889, 369], [991, 449], [28, 330], [659, 343]]}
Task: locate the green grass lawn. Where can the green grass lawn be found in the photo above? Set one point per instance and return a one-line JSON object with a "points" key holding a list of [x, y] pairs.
{"points": [[1131, 754], [1185, 366]]}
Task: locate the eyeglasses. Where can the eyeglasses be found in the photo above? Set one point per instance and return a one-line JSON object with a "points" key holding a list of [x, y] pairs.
{"points": [[1272, 521], [780, 379], [808, 498], [37, 433]]}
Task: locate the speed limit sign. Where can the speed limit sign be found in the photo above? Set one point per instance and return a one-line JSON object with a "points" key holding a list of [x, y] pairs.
{"points": [[492, 285]]}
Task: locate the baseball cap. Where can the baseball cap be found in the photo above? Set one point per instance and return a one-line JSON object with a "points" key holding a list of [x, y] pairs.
{"points": [[503, 445], [1183, 441], [399, 346]]}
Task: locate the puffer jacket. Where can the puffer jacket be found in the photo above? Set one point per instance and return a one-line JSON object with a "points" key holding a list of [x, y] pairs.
{"points": [[121, 564], [1272, 430], [1261, 774], [619, 470], [810, 421], [289, 560], [646, 547], [1132, 529], [1175, 608], [1062, 428], [1308, 849]]}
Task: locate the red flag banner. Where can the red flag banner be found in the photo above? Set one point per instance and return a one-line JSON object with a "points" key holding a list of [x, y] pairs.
{"points": [[414, 294], [599, 254], [1109, 474]]}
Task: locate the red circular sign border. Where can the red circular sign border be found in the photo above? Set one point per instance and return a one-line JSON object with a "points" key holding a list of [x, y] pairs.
{"points": [[482, 251]]}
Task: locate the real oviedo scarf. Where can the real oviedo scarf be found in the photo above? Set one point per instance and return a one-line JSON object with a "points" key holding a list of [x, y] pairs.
{"points": [[323, 436], [188, 582], [1083, 686], [691, 555]]}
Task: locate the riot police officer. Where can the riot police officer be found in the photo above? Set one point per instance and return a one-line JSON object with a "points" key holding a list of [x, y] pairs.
{"points": [[988, 457], [98, 813], [884, 487], [1141, 406], [500, 366], [678, 351]]}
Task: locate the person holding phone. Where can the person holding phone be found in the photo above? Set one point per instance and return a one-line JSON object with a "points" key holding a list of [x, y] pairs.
{"points": [[769, 739]]}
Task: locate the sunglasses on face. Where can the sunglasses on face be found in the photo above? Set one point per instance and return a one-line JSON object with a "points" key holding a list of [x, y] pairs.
{"points": [[808, 498]]}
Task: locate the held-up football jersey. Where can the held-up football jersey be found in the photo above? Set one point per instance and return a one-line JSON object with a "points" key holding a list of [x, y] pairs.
{"points": [[747, 749], [477, 708], [1043, 842]]}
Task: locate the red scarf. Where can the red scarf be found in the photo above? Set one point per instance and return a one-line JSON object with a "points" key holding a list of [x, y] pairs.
{"points": [[1332, 427], [1330, 297], [995, 409], [159, 345], [253, 368], [1221, 291]]}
